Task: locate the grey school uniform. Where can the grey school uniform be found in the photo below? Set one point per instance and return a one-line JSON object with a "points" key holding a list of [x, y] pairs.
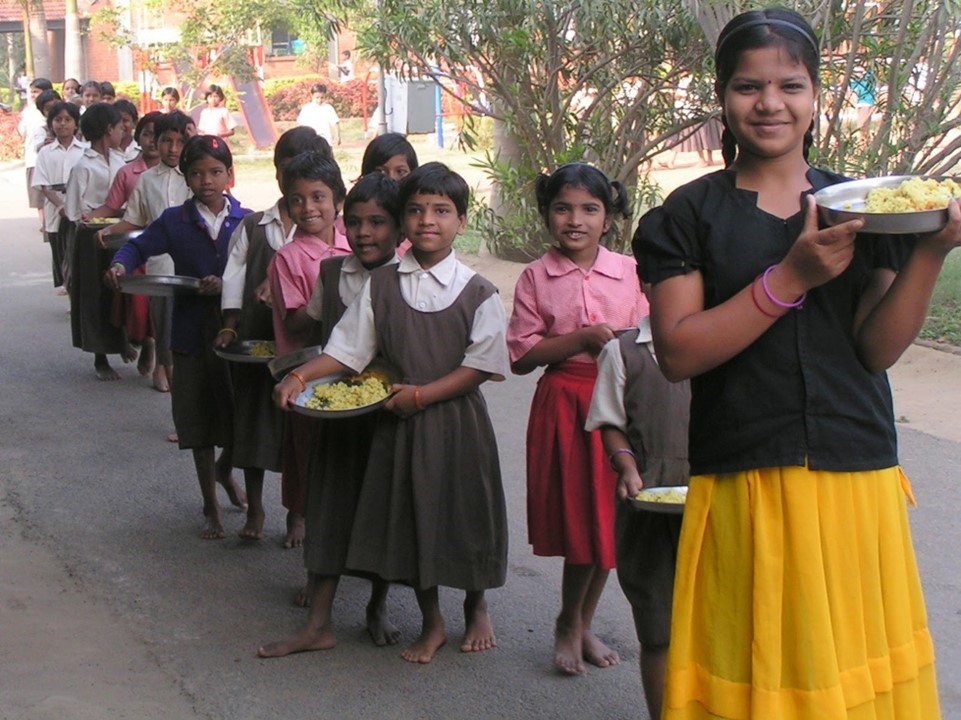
{"points": [[431, 510], [657, 422], [258, 423]]}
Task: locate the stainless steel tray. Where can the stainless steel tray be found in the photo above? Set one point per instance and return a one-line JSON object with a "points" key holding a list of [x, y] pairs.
{"points": [[115, 241], [846, 201], [158, 285], [240, 352], [299, 402], [280, 366], [674, 508]]}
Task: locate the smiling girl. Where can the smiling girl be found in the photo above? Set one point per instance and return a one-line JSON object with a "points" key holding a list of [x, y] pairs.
{"points": [[796, 593], [567, 305]]}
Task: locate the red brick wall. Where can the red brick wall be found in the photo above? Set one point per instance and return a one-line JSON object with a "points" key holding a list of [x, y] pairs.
{"points": [[101, 61]]}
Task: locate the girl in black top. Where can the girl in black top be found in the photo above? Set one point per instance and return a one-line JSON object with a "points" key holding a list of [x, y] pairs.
{"points": [[797, 593]]}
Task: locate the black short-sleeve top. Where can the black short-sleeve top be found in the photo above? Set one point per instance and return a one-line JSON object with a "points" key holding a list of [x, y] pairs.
{"points": [[798, 394]]}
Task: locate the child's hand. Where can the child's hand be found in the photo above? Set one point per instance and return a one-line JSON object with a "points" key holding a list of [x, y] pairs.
{"points": [[62, 210], [817, 256], [210, 285], [404, 400], [595, 337], [101, 237], [113, 272], [629, 482], [225, 337], [286, 391], [262, 293], [948, 237]]}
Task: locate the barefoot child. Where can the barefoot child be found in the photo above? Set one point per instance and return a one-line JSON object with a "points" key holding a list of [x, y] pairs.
{"points": [[54, 163], [196, 236], [313, 192], [87, 188], [258, 424], [340, 448], [567, 305], [797, 591], [643, 422], [431, 510]]}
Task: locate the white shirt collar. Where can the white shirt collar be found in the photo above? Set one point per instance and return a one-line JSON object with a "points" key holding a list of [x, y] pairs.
{"points": [[443, 272]]}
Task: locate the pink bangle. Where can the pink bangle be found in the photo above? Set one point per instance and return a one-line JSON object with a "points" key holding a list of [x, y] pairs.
{"points": [[797, 304], [757, 304]]}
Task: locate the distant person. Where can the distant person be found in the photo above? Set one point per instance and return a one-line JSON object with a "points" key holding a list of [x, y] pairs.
{"points": [[128, 116], [320, 115], [33, 129], [390, 154], [70, 90], [345, 70], [107, 92], [215, 119], [89, 95], [169, 99]]}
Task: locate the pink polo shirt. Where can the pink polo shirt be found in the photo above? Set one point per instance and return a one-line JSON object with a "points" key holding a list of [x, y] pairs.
{"points": [[292, 273], [555, 297]]}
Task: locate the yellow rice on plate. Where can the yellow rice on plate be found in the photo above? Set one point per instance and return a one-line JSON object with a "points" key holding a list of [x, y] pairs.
{"points": [[913, 195], [350, 393], [675, 496]]}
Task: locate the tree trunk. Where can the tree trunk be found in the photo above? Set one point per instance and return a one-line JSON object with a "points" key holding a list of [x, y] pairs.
{"points": [[73, 59], [37, 30]]}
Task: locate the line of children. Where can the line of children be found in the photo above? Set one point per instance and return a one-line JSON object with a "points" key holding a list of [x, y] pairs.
{"points": [[247, 315], [196, 236], [567, 305], [414, 523], [340, 449]]}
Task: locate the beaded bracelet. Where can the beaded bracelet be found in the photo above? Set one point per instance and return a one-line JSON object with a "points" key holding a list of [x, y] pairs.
{"points": [[757, 304], [299, 378], [418, 402], [619, 451], [797, 304]]}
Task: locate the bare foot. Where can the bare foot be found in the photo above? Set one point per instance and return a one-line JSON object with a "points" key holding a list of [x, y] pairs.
{"points": [[380, 628], [129, 353], [295, 531], [304, 641], [597, 653], [160, 381], [61, 290], [212, 529], [567, 650], [172, 437], [478, 631], [253, 529], [424, 648], [145, 363], [105, 372], [238, 498]]}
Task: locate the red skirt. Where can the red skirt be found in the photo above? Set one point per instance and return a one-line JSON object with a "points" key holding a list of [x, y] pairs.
{"points": [[570, 484]]}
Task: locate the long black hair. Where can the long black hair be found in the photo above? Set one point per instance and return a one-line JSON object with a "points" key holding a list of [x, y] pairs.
{"points": [[755, 29]]}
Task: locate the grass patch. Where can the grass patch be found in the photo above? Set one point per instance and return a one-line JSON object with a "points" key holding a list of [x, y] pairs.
{"points": [[943, 323]]}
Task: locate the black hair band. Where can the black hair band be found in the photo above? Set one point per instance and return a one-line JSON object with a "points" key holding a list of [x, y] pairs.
{"points": [[769, 21]]}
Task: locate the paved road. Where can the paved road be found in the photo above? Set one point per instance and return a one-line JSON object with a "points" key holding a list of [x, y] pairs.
{"points": [[86, 476]]}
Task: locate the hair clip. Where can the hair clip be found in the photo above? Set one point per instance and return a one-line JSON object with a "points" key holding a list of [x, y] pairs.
{"points": [[213, 143]]}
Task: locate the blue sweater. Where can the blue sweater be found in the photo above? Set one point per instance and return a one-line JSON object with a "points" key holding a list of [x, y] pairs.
{"points": [[182, 233]]}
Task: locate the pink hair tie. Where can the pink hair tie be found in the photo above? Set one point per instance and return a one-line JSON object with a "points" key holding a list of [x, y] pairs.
{"points": [[797, 304]]}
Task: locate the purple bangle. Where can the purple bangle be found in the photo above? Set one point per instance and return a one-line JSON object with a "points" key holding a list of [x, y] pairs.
{"points": [[797, 304]]}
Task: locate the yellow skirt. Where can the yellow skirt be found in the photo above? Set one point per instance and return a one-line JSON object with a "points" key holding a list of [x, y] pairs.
{"points": [[797, 597]]}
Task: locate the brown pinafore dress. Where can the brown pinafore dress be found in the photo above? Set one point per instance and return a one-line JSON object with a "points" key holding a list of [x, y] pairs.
{"points": [[431, 510]]}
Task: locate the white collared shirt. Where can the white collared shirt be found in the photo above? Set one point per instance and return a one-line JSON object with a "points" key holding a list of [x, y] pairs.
{"points": [[235, 273], [90, 181], [54, 163], [353, 275], [353, 341], [213, 222], [607, 403], [157, 189]]}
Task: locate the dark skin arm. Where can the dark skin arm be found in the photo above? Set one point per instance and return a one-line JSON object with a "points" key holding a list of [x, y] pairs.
{"points": [[590, 339]]}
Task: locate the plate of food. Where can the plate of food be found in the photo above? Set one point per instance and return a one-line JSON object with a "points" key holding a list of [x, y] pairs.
{"points": [[100, 222], [249, 351], [115, 241], [280, 366], [661, 499], [158, 285], [896, 205], [345, 395]]}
